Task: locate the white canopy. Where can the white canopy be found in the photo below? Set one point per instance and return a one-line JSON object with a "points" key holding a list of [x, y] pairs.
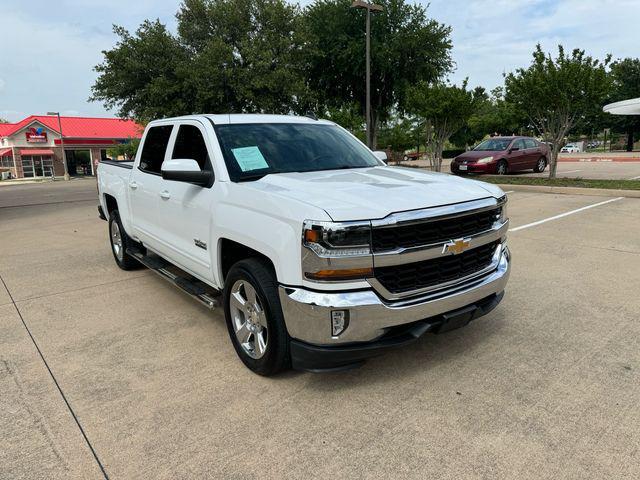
{"points": [[625, 107]]}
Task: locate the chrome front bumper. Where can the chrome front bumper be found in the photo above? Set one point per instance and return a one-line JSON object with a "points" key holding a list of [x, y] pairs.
{"points": [[307, 313]]}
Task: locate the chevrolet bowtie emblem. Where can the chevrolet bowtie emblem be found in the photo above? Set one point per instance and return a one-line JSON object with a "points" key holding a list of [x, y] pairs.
{"points": [[456, 246]]}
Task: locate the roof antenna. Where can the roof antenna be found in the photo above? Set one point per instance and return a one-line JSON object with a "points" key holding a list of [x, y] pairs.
{"points": [[311, 115]]}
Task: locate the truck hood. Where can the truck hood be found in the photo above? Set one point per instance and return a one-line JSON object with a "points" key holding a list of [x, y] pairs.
{"points": [[370, 193]]}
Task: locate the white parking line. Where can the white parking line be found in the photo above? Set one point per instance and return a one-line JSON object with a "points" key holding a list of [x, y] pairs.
{"points": [[569, 171], [521, 227], [634, 178], [509, 191]]}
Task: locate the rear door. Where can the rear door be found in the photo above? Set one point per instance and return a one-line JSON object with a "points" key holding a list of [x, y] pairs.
{"points": [[185, 209], [145, 184]]}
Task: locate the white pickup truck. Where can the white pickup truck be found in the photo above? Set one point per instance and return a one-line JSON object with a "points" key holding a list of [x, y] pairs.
{"points": [[320, 254]]}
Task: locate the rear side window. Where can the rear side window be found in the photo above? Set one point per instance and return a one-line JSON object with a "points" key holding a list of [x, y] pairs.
{"points": [[154, 148], [190, 144], [531, 143]]}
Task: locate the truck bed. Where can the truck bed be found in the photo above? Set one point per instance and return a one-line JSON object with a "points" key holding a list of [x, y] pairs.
{"points": [[119, 163]]}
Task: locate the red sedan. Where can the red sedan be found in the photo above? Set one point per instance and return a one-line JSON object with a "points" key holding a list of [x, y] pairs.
{"points": [[502, 155]]}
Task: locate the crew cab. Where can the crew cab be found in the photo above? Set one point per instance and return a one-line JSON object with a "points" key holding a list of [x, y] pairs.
{"points": [[319, 253]]}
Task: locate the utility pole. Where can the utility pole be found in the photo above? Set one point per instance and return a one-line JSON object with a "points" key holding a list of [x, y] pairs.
{"points": [[64, 156], [375, 8]]}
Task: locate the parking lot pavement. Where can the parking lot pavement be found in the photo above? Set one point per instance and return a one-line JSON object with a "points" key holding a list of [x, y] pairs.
{"points": [[546, 386], [591, 170]]}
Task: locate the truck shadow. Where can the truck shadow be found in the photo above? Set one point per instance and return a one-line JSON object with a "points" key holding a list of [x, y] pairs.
{"points": [[427, 353]]}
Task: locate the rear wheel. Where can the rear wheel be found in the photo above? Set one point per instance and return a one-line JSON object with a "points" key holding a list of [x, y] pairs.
{"points": [[502, 168], [541, 164], [254, 317], [120, 242]]}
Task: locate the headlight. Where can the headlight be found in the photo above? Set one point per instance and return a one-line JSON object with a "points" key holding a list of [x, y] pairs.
{"points": [[503, 216], [337, 239], [485, 160], [336, 251]]}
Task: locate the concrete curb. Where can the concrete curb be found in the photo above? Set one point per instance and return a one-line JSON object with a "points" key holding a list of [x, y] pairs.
{"points": [[599, 192]]}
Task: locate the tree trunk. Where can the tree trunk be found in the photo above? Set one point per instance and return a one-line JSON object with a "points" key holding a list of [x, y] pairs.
{"points": [[553, 161]]}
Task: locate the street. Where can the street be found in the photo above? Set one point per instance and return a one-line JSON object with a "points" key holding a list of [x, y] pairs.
{"points": [[106, 373]]}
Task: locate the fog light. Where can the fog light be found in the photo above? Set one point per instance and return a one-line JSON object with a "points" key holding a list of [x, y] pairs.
{"points": [[339, 321]]}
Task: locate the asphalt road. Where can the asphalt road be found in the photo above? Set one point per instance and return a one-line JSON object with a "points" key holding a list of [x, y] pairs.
{"points": [[105, 373]]}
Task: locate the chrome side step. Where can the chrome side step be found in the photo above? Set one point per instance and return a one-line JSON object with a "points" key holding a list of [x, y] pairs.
{"points": [[192, 287]]}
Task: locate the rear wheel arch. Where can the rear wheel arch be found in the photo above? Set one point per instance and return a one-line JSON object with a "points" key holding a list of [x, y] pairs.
{"points": [[111, 203]]}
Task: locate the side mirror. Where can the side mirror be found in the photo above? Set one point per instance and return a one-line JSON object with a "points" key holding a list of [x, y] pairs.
{"points": [[186, 170], [381, 155]]}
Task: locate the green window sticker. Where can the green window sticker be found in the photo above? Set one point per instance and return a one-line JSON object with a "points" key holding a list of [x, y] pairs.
{"points": [[249, 158]]}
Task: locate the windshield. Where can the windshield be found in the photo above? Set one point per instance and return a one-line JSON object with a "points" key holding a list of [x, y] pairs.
{"points": [[493, 144], [253, 150]]}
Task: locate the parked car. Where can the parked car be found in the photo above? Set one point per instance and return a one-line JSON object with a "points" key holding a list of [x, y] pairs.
{"points": [[502, 155], [412, 156], [570, 148], [319, 253]]}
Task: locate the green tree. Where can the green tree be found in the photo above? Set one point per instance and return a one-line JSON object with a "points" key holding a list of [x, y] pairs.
{"points": [[399, 134], [4, 120], [442, 110], [139, 76], [556, 92], [228, 55], [406, 46], [127, 150], [348, 116], [625, 77]]}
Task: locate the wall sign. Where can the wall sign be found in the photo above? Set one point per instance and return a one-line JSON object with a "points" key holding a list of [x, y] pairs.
{"points": [[36, 135]]}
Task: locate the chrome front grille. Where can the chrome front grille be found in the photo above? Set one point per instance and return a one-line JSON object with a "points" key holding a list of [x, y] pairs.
{"points": [[412, 254], [432, 231], [438, 271]]}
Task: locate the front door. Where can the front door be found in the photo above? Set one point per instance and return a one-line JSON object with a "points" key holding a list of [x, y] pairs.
{"points": [[188, 206], [37, 166], [518, 156]]}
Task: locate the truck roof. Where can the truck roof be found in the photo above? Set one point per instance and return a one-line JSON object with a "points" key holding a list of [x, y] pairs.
{"points": [[230, 118]]}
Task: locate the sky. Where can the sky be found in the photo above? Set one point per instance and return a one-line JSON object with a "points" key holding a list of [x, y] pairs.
{"points": [[48, 49]]}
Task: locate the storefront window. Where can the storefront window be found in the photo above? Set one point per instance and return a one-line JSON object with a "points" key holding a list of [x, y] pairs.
{"points": [[37, 166], [27, 167]]}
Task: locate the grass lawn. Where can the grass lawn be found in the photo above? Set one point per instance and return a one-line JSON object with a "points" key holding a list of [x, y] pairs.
{"points": [[562, 182]]}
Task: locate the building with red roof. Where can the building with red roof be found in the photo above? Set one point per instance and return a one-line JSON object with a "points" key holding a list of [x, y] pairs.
{"points": [[32, 147]]}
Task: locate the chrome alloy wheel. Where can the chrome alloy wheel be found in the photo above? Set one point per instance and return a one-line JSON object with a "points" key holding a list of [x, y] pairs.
{"points": [[502, 168], [116, 240], [542, 163], [249, 319]]}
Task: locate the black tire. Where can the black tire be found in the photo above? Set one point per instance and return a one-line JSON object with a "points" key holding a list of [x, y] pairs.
{"points": [[260, 275], [541, 164], [123, 260], [502, 168]]}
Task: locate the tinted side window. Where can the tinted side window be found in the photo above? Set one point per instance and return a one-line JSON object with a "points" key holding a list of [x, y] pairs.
{"points": [[531, 143], [520, 144], [154, 148], [190, 144]]}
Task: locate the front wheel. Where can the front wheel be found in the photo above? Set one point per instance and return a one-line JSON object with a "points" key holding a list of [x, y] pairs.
{"points": [[254, 317], [541, 164], [502, 168]]}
